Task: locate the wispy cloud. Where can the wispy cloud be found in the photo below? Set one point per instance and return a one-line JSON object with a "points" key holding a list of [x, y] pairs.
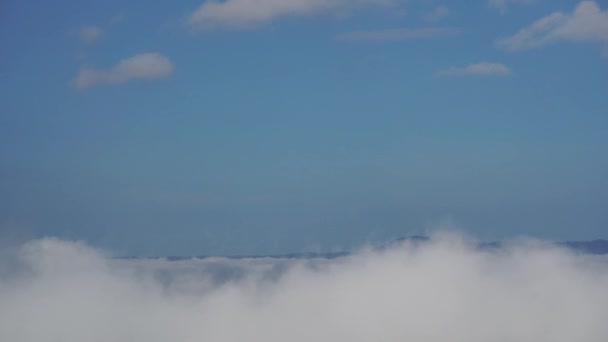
{"points": [[588, 23], [117, 18], [437, 14], [395, 34], [445, 290], [145, 66], [245, 14], [479, 69], [502, 4], [90, 34]]}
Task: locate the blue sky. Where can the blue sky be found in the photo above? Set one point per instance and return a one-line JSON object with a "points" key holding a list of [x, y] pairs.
{"points": [[244, 127]]}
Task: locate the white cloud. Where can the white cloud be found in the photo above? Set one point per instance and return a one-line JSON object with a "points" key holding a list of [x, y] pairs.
{"points": [[446, 290], [90, 34], [502, 4], [251, 13], [588, 23], [395, 34], [145, 66], [437, 14], [479, 69]]}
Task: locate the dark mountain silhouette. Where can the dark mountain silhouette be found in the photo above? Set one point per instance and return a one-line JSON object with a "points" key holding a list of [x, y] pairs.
{"points": [[598, 247], [588, 247], [594, 247]]}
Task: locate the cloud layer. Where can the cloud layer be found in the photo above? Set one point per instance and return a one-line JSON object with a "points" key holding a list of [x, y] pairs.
{"points": [[145, 66], [441, 291], [479, 69], [588, 23], [251, 13]]}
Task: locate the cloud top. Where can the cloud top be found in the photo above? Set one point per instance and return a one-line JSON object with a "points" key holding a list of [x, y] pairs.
{"points": [[440, 291], [145, 66]]}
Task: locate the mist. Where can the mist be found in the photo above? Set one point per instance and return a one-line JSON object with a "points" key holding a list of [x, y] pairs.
{"points": [[444, 290]]}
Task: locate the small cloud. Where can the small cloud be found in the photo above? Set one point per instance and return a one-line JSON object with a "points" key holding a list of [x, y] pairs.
{"points": [[501, 5], [245, 14], [395, 34], [588, 23], [479, 69], [90, 34], [439, 13], [116, 19], [145, 66]]}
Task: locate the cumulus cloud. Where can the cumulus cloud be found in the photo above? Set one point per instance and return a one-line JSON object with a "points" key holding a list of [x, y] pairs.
{"points": [[145, 66], [479, 69], [437, 14], [90, 34], [251, 13], [395, 34], [444, 290], [588, 23]]}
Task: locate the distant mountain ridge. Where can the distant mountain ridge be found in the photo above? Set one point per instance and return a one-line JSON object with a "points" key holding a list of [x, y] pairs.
{"points": [[597, 247], [593, 247]]}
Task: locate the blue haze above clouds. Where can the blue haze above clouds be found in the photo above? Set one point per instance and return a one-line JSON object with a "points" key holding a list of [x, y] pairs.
{"points": [[219, 128]]}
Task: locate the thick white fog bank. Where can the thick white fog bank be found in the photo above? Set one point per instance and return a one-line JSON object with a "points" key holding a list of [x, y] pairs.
{"points": [[444, 290]]}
